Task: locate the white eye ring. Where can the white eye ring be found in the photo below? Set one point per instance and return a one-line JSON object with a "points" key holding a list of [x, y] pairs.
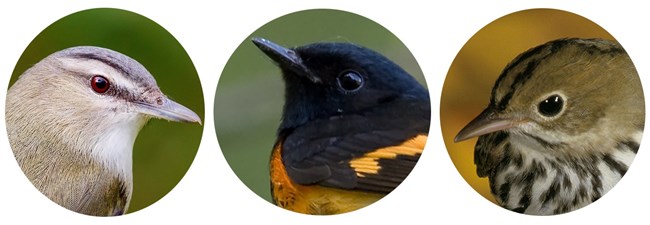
{"points": [[551, 106]]}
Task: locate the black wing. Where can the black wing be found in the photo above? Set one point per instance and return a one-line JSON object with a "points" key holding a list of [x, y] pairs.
{"points": [[374, 151]]}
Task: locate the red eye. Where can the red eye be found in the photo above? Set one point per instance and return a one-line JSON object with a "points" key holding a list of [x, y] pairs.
{"points": [[100, 84]]}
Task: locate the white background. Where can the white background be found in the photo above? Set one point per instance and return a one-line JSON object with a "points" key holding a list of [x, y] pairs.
{"points": [[211, 194]]}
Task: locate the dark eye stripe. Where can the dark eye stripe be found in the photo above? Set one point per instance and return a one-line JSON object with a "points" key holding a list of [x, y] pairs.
{"points": [[106, 60], [128, 67]]}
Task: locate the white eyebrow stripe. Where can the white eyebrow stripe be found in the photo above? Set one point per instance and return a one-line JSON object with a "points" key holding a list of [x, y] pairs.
{"points": [[90, 68]]}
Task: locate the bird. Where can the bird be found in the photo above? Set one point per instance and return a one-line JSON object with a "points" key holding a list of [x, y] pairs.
{"points": [[72, 120], [563, 124], [353, 126]]}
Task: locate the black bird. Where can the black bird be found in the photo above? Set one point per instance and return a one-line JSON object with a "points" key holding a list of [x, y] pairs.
{"points": [[353, 127]]}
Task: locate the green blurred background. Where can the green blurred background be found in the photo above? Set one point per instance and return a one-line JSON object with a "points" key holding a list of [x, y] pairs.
{"points": [[249, 98], [467, 88], [163, 150]]}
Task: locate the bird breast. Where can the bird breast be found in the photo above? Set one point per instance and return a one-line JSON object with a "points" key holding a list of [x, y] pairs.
{"points": [[532, 181]]}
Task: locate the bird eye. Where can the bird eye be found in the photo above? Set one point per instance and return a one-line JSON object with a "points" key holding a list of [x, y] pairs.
{"points": [[551, 106], [99, 84], [350, 81]]}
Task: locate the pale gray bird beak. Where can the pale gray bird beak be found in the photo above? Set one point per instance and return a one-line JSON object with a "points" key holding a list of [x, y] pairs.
{"points": [[169, 110], [485, 123], [285, 58]]}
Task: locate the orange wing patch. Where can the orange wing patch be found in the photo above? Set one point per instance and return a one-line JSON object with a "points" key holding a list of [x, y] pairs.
{"points": [[369, 163]]}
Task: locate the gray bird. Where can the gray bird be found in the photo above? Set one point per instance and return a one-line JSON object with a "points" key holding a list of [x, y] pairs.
{"points": [[563, 125], [72, 119]]}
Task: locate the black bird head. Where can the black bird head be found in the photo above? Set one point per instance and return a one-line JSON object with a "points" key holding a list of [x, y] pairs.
{"points": [[323, 80]]}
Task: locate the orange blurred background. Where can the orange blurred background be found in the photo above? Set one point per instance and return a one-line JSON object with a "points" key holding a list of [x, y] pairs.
{"points": [[472, 74]]}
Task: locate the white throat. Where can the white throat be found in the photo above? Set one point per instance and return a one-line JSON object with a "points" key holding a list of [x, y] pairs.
{"points": [[113, 147]]}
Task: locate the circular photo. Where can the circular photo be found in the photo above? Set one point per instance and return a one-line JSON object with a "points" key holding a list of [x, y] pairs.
{"points": [[104, 112], [542, 112], [322, 112]]}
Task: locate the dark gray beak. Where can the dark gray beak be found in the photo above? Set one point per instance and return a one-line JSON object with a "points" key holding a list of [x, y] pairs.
{"points": [[285, 58], [168, 110]]}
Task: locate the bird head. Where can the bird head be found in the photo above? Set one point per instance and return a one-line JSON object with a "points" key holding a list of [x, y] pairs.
{"points": [[565, 91], [331, 79], [88, 99]]}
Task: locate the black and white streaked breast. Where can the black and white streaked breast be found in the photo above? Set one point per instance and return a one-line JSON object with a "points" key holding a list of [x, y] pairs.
{"points": [[530, 182]]}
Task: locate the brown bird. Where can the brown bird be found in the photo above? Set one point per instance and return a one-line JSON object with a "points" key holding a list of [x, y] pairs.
{"points": [[72, 119], [562, 127]]}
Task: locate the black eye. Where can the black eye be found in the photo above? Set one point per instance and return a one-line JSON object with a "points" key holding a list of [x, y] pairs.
{"points": [[551, 106], [99, 84], [350, 81]]}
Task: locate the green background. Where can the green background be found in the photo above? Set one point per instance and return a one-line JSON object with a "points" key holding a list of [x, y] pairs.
{"points": [[163, 150], [249, 98]]}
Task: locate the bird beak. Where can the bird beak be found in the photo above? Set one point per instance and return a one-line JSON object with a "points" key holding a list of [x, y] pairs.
{"points": [[286, 58], [485, 123], [168, 110]]}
